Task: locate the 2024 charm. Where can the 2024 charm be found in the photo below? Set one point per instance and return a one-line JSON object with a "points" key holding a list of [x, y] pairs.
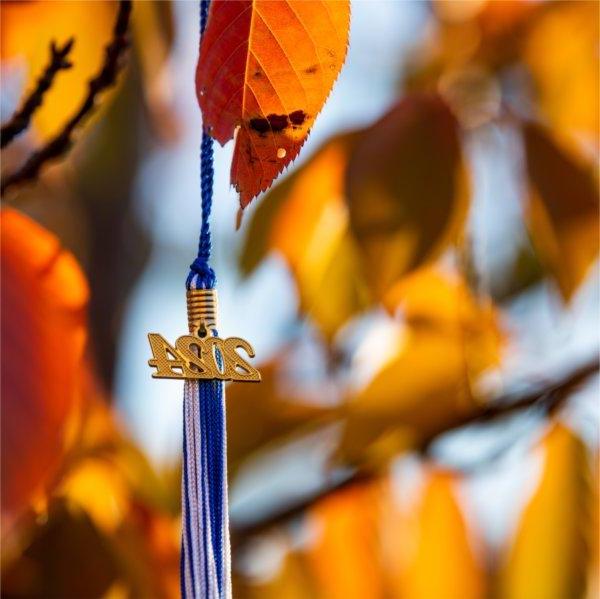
{"points": [[202, 355]]}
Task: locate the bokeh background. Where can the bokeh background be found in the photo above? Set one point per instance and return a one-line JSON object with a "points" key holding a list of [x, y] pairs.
{"points": [[436, 440]]}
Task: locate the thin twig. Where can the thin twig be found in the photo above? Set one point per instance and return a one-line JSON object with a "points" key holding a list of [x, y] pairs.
{"points": [[547, 399], [21, 119], [107, 76]]}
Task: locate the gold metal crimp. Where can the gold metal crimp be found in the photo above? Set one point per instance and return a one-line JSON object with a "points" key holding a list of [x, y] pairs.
{"points": [[202, 309]]}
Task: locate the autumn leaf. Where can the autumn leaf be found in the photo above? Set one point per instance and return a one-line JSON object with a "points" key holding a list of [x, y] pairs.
{"points": [[561, 52], [107, 509], [290, 214], [563, 208], [549, 556], [449, 341], [345, 554], [435, 554], [27, 30], [406, 189], [305, 219], [260, 415], [44, 299], [291, 580], [265, 70]]}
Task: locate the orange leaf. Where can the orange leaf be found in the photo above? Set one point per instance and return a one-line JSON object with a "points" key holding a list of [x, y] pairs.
{"points": [[405, 188], [267, 67], [305, 219], [311, 231], [563, 208], [290, 581], [552, 547], [439, 560], [561, 53], [44, 297], [345, 558]]}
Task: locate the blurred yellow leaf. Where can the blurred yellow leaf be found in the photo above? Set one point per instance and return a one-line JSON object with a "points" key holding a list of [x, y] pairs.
{"points": [[427, 386], [437, 556], [101, 449], [562, 54], [549, 557], [310, 231], [106, 508], [44, 299], [563, 208], [257, 240], [406, 189], [26, 32], [345, 557], [305, 219], [291, 581], [258, 415]]}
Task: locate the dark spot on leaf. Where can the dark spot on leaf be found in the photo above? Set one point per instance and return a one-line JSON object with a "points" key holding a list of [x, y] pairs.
{"points": [[297, 117], [312, 70], [273, 122], [278, 122], [260, 125], [258, 74]]}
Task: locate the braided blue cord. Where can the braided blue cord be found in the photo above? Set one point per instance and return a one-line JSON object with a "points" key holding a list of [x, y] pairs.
{"points": [[200, 266]]}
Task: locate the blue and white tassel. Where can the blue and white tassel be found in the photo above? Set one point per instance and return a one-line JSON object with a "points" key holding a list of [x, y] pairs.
{"points": [[205, 548]]}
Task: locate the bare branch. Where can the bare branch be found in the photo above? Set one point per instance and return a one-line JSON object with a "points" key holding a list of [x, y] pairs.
{"points": [[107, 76], [547, 399], [21, 119]]}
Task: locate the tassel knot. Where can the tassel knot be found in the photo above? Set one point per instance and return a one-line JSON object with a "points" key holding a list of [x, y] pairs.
{"points": [[206, 275]]}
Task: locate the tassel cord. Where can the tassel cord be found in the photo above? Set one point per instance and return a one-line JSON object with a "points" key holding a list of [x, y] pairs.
{"points": [[205, 558]]}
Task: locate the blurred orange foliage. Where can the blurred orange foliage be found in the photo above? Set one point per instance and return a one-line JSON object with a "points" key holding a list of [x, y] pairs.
{"points": [[44, 297], [552, 546], [436, 540]]}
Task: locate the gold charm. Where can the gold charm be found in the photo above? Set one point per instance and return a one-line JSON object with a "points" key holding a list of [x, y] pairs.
{"points": [[202, 355]]}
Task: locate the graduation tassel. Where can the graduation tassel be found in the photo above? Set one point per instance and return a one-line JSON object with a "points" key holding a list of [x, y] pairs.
{"points": [[205, 361]]}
